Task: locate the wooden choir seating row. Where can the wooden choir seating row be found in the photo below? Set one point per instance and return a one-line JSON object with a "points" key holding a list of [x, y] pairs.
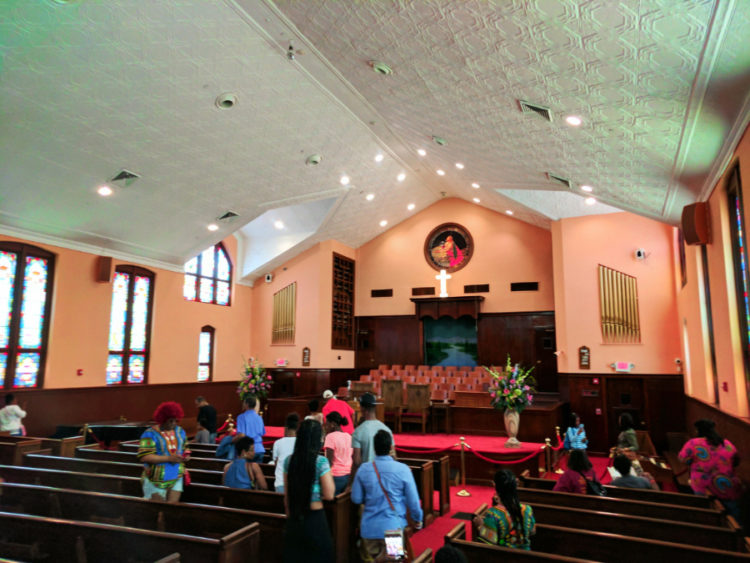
{"points": [[417, 369], [13, 448]]}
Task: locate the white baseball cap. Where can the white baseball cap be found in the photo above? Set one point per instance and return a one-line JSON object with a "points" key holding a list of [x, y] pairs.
{"points": [[327, 394]]}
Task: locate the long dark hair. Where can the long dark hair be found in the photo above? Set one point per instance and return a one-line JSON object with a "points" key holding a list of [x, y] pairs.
{"points": [[707, 429], [506, 488], [579, 461], [301, 472]]}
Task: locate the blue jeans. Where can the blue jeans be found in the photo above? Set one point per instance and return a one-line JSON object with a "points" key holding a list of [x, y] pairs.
{"points": [[341, 481], [212, 437]]}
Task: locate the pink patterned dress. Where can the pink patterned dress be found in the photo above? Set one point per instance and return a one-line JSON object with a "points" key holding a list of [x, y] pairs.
{"points": [[712, 468]]}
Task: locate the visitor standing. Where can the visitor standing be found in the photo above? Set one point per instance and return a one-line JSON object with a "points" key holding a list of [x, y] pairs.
{"points": [[387, 489], [162, 451], [338, 448], [207, 418], [362, 444], [307, 483], [250, 424], [342, 407], [11, 416], [283, 448]]}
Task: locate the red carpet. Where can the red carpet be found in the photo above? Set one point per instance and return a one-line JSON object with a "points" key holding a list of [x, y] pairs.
{"points": [[486, 444]]}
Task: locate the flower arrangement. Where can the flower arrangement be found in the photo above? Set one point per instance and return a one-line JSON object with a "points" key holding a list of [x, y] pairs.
{"points": [[254, 381], [513, 388]]}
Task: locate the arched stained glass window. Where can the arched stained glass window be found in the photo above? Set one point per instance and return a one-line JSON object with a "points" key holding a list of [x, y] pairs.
{"points": [[208, 277], [206, 354], [740, 254], [130, 325], [26, 274]]}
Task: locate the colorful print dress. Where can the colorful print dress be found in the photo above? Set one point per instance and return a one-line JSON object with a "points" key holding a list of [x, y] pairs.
{"points": [[155, 441], [712, 468], [497, 528]]}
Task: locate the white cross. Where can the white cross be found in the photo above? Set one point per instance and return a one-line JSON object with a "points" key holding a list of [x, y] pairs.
{"points": [[443, 288]]}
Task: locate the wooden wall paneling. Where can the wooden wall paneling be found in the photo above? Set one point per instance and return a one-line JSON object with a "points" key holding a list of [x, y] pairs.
{"points": [[500, 334], [665, 412], [625, 395], [585, 398], [287, 383], [390, 340]]}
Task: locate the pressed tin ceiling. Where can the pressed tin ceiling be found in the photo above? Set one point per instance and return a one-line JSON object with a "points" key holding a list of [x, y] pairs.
{"points": [[90, 88]]}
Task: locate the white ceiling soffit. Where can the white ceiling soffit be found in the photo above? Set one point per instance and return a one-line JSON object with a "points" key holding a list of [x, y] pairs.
{"points": [[90, 88], [559, 204], [276, 231]]}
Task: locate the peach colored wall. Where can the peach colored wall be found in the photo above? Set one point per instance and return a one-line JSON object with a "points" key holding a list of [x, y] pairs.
{"points": [[582, 243], [506, 250], [80, 325], [733, 394], [312, 270]]}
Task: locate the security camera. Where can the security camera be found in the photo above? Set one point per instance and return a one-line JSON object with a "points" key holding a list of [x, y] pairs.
{"points": [[290, 52], [640, 254], [678, 361]]}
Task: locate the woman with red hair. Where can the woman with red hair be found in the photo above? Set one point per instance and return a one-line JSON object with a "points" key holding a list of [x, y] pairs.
{"points": [[162, 451]]}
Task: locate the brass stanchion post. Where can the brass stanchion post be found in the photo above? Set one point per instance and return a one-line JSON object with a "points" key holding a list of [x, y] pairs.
{"points": [[547, 456], [463, 492]]}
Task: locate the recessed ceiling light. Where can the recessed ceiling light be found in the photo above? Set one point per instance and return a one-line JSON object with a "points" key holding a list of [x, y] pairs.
{"points": [[459, 165], [410, 207], [213, 227], [476, 200], [475, 186], [227, 100], [587, 188], [573, 120], [370, 197], [383, 223], [344, 180], [104, 190], [509, 212], [401, 177], [590, 201], [379, 157], [440, 172], [278, 224], [421, 152]]}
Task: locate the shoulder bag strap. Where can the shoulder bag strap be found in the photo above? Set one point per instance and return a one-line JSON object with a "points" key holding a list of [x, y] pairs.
{"points": [[382, 487]]}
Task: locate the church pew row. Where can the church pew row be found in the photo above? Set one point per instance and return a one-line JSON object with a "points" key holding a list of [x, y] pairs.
{"points": [[422, 470], [109, 467], [648, 495], [604, 546], [339, 510], [35, 538], [64, 447], [705, 516], [12, 451], [728, 539], [197, 521], [476, 552]]}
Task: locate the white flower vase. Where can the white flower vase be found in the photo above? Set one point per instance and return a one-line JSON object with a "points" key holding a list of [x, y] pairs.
{"points": [[512, 420]]}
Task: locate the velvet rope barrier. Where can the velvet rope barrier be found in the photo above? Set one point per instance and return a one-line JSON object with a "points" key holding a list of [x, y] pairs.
{"points": [[102, 445], [510, 462], [407, 451]]}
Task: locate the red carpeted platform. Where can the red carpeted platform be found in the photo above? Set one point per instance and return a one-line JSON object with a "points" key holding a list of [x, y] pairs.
{"points": [[414, 441]]}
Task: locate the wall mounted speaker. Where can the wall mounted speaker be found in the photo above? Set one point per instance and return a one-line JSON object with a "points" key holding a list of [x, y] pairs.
{"points": [[104, 269], [269, 278], [696, 226]]}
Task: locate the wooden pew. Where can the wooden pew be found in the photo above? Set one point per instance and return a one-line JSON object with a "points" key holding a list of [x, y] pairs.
{"points": [[190, 519], [638, 526], [482, 553], [705, 516], [423, 472], [603, 546], [109, 467], [424, 557], [26, 537], [64, 447], [12, 451], [648, 495], [341, 519]]}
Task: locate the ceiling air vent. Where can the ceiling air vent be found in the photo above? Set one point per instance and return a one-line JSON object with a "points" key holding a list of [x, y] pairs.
{"points": [[528, 107], [125, 176], [228, 216], [559, 179]]}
